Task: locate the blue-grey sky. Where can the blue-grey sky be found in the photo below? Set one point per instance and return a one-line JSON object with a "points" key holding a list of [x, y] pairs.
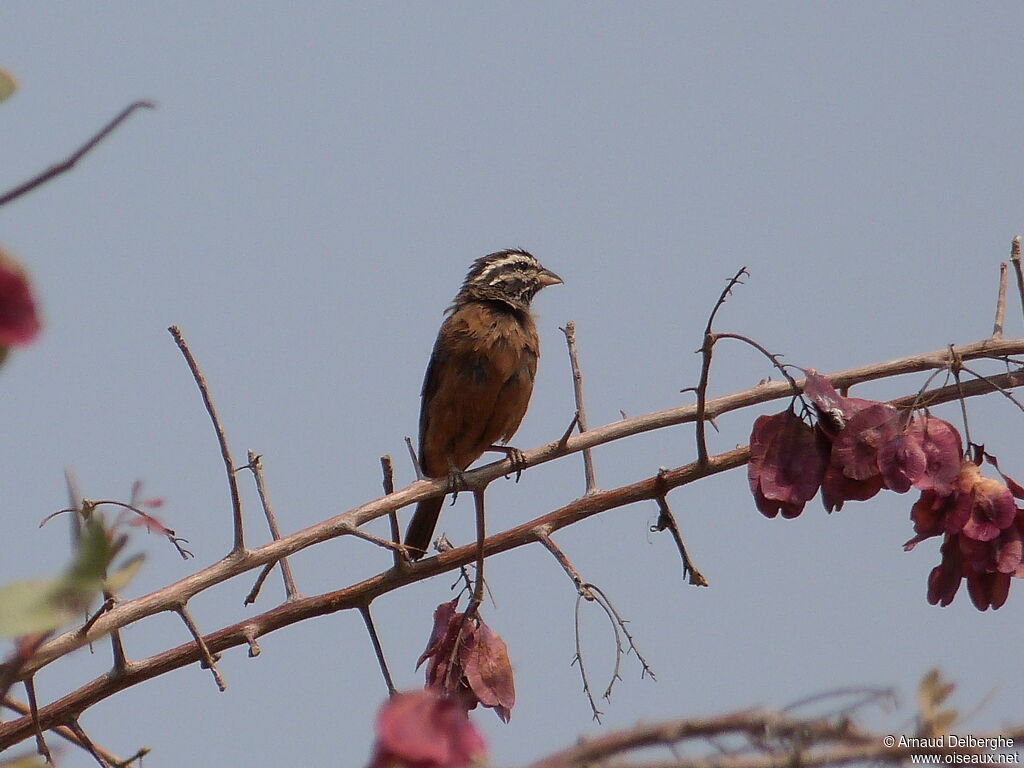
{"points": [[304, 204]]}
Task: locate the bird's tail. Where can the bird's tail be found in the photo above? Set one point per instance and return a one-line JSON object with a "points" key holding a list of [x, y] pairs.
{"points": [[421, 527]]}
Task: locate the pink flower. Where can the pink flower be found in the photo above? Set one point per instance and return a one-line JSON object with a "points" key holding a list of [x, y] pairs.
{"points": [[467, 660], [422, 729], [787, 462], [19, 322]]}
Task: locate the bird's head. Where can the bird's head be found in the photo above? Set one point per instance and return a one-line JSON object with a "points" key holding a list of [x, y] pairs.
{"points": [[513, 277]]}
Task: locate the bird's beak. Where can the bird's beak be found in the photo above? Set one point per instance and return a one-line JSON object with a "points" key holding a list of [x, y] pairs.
{"points": [[547, 277]]}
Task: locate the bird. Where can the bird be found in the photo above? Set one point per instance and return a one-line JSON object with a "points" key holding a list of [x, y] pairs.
{"points": [[480, 375]]}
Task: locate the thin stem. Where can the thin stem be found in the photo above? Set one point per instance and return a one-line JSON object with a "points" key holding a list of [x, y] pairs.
{"points": [[773, 358], [74, 157], [229, 466], [256, 466], [204, 649], [581, 413], [364, 611], [706, 348], [997, 326], [388, 469], [1015, 260], [481, 536], [668, 520], [544, 538], [30, 689], [71, 735]]}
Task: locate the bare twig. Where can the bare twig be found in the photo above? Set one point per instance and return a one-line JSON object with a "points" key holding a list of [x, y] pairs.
{"points": [[995, 387], [415, 461], [1015, 260], [204, 649], [578, 657], [41, 748], [581, 413], [74, 157], [591, 593], [544, 538], [772, 358], [481, 537], [256, 466], [71, 735], [568, 432], [955, 366], [149, 520], [258, 584], [236, 499], [364, 611], [86, 743], [621, 625], [388, 469], [667, 520], [706, 348], [997, 326]]}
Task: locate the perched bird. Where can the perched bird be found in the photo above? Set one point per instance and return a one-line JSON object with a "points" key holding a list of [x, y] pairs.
{"points": [[480, 374]]}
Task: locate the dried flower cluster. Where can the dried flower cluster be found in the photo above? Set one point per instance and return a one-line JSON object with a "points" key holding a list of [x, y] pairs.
{"points": [[857, 447], [467, 664]]}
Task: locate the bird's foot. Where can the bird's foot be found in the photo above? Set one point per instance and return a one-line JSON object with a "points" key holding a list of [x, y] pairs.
{"points": [[514, 455], [456, 481]]}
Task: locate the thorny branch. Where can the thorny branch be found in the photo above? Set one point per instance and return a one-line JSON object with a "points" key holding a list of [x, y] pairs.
{"points": [[707, 345], [594, 594], [74, 735], [766, 739], [74, 157], [255, 465], [244, 632], [581, 412], [236, 499], [667, 520]]}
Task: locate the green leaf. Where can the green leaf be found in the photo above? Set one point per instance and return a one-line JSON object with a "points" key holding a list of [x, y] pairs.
{"points": [[8, 84], [41, 605], [27, 607], [119, 578]]}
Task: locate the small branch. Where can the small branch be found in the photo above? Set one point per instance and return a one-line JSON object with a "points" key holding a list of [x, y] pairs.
{"points": [[364, 611], [705, 370], [86, 743], [578, 658], [667, 520], [359, 533], [1015, 260], [563, 441], [772, 358], [389, 487], [151, 522], [544, 538], [997, 326], [955, 366], [250, 639], [256, 466], [67, 733], [591, 593], [646, 670], [41, 748], [481, 537], [204, 650], [236, 500], [69, 163], [995, 387], [258, 585], [415, 461], [581, 412]]}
